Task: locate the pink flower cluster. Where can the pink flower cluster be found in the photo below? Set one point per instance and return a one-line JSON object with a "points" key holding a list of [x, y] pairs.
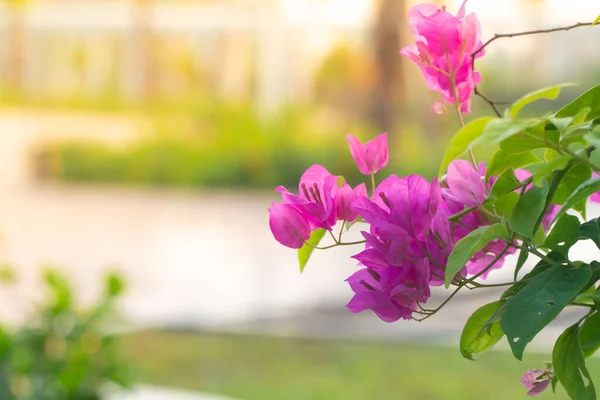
{"points": [[537, 381], [323, 199], [443, 51], [410, 239]]}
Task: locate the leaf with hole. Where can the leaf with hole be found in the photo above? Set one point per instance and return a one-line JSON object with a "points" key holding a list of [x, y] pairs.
{"points": [[564, 234], [539, 302]]}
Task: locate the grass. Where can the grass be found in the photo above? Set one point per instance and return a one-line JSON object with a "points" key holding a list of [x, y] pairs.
{"points": [[261, 368]]}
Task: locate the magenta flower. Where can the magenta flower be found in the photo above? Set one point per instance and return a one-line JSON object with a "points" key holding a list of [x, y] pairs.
{"points": [[315, 199], [466, 185], [391, 293], [443, 48], [370, 157], [537, 381], [343, 200], [288, 225]]}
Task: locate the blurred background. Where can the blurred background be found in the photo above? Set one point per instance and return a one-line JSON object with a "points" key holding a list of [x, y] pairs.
{"points": [[143, 139]]}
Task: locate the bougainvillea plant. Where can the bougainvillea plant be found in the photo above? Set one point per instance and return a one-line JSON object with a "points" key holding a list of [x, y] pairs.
{"points": [[529, 199]]}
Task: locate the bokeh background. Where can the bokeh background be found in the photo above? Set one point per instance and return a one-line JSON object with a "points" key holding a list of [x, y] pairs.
{"points": [[146, 137]]}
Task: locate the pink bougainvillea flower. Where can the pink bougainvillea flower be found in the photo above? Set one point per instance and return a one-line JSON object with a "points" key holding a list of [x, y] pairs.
{"points": [[443, 51], [288, 225], [537, 381], [465, 184], [391, 293], [315, 198], [370, 157], [344, 198]]}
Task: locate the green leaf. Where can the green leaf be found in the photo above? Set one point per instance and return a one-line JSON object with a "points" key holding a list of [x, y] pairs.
{"points": [[589, 335], [596, 20], [549, 93], [306, 251], [591, 230], [590, 99], [520, 143], [503, 205], [506, 182], [564, 234], [552, 259], [574, 177], [524, 217], [585, 190], [498, 130], [569, 366], [523, 255], [542, 171], [115, 284], [502, 160], [471, 244], [476, 336], [539, 302], [461, 142]]}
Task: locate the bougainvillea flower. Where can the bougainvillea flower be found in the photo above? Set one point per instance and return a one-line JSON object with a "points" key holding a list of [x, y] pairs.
{"points": [[370, 157], [288, 225], [465, 184], [443, 51], [315, 198], [392, 293], [596, 196], [343, 200], [537, 381]]}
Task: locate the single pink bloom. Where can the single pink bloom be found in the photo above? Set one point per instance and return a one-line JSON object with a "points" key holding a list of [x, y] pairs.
{"points": [[344, 198], [288, 225], [465, 184], [537, 381], [443, 51], [370, 157]]}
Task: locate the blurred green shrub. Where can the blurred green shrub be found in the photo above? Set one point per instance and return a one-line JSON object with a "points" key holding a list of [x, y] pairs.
{"points": [[63, 352], [224, 147]]}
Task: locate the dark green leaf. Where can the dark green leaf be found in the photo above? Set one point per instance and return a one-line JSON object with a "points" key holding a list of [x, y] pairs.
{"points": [[503, 160], [524, 217], [589, 335], [539, 302], [591, 230], [462, 141], [471, 244], [550, 93], [585, 190], [306, 251], [476, 336], [523, 255], [564, 234], [573, 178], [590, 99], [570, 368]]}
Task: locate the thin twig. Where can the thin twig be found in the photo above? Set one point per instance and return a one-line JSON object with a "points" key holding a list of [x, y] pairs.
{"points": [[497, 36]]}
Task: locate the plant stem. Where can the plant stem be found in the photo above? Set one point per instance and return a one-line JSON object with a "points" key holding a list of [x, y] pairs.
{"points": [[373, 186]]}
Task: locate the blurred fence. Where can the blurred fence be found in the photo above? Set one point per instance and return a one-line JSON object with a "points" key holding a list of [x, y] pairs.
{"points": [[139, 49]]}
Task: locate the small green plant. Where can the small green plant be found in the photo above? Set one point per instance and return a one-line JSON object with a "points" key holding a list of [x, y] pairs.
{"points": [[63, 351]]}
